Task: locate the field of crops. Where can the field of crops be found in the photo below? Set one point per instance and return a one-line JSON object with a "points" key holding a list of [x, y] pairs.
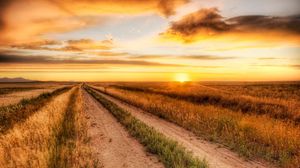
{"points": [[208, 124]]}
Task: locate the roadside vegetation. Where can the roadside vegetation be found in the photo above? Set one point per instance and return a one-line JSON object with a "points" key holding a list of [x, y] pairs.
{"points": [[168, 151], [251, 135], [12, 114]]}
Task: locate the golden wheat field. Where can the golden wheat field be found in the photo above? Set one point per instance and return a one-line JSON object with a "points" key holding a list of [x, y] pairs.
{"points": [[192, 124]]}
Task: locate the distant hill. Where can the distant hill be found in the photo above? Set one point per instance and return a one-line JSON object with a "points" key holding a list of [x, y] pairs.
{"points": [[15, 80]]}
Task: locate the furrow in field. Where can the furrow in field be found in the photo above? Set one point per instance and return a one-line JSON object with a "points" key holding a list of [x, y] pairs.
{"points": [[215, 155], [111, 142]]}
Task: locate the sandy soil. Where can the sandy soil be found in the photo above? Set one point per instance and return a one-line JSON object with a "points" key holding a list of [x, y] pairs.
{"points": [[15, 97], [113, 145], [217, 157]]}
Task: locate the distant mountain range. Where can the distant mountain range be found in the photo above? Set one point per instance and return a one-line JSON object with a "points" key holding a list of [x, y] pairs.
{"points": [[15, 80]]}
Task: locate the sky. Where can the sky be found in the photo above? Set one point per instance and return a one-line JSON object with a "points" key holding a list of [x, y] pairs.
{"points": [[150, 40]]}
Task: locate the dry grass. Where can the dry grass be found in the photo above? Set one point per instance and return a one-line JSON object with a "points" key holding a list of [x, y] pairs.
{"points": [[34, 142], [35, 84], [16, 97], [28, 144], [8, 90], [252, 135], [71, 148], [10, 115], [277, 107]]}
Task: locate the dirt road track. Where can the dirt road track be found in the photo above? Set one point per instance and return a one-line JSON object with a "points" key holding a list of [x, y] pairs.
{"points": [[113, 145], [216, 156]]}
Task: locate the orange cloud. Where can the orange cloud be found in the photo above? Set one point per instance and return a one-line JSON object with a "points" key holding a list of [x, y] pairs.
{"points": [[163, 7], [210, 24], [21, 21]]}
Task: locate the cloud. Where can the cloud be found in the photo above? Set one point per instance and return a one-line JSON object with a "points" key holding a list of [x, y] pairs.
{"points": [[21, 21], [88, 44], [148, 56], [195, 57], [109, 53], [70, 45], [295, 66], [37, 45], [91, 7], [205, 57], [290, 24], [17, 59], [208, 23], [267, 58], [3, 5]]}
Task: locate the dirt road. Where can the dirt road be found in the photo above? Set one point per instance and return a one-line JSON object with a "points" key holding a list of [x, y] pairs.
{"points": [[216, 156], [111, 142]]}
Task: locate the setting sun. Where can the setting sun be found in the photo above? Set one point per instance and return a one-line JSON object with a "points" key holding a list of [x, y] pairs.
{"points": [[182, 77]]}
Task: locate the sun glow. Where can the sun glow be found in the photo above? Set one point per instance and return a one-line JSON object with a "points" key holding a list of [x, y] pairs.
{"points": [[182, 77]]}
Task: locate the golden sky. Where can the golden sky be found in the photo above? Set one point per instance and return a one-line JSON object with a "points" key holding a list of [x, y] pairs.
{"points": [[150, 40]]}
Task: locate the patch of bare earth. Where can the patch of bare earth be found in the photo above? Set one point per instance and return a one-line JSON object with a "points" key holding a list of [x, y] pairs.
{"points": [[216, 156], [110, 141]]}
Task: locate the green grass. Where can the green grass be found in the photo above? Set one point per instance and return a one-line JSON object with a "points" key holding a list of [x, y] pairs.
{"points": [[9, 115], [168, 151]]}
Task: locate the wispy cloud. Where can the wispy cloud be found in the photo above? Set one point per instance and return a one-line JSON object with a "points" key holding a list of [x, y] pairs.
{"points": [[195, 57], [296, 66], [70, 45], [267, 58]]}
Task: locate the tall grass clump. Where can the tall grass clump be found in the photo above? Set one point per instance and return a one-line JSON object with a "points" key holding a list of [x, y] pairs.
{"points": [[253, 136], [168, 151]]}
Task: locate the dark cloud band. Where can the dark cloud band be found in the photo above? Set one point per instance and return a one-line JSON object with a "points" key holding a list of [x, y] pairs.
{"points": [[209, 22], [50, 60]]}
